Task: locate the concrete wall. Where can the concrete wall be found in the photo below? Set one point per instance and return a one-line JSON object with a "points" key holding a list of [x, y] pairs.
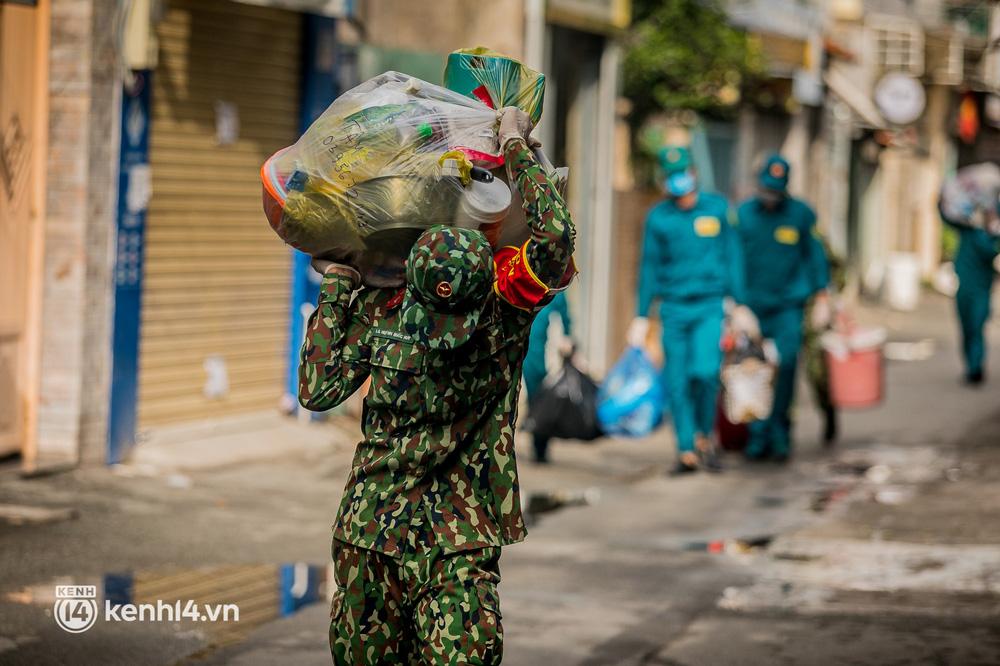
{"points": [[102, 199], [82, 163], [65, 252], [444, 25]]}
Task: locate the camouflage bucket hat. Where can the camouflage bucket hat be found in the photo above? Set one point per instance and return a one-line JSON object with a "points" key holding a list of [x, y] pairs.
{"points": [[449, 277]]}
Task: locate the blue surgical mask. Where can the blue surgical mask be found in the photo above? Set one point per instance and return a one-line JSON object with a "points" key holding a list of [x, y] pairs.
{"points": [[680, 183]]}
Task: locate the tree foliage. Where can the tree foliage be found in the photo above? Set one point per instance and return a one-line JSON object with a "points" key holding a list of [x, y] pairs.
{"points": [[684, 54]]}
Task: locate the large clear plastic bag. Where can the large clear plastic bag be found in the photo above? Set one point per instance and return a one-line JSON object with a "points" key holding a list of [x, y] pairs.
{"points": [[387, 160], [970, 197], [748, 372], [748, 390]]}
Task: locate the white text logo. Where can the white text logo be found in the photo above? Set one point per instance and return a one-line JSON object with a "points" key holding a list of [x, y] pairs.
{"points": [[76, 610], [76, 607]]}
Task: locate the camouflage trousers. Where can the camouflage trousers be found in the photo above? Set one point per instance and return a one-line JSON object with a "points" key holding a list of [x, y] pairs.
{"points": [[423, 607]]}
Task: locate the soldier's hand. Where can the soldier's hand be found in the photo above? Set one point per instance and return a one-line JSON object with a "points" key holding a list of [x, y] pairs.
{"points": [[325, 266], [514, 124], [320, 265]]}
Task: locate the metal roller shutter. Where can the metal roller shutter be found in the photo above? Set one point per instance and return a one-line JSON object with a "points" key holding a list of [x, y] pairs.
{"points": [[216, 280]]}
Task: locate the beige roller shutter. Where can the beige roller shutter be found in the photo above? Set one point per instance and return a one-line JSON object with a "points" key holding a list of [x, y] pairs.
{"points": [[22, 216], [216, 283]]}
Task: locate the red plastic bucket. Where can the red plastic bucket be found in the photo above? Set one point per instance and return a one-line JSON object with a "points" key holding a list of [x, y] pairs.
{"points": [[856, 380]]}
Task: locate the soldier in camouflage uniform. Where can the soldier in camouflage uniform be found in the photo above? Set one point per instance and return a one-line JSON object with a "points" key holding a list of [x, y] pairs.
{"points": [[433, 490]]}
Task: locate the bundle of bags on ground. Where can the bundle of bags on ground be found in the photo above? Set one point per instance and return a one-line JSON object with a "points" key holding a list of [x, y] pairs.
{"points": [[632, 399], [397, 155], [570, 404]]}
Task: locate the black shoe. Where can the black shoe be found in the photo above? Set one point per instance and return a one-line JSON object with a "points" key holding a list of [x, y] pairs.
{"points": [[710, 461], [975, 378], [682, 468], [780, 458], [541, 446], [830, 429]]}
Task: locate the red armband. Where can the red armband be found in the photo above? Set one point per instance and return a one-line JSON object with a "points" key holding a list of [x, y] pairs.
{"points": [[515, 282]]}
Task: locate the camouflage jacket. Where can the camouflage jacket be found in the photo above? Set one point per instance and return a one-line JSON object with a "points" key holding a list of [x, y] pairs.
{"points": [[438, 424]]}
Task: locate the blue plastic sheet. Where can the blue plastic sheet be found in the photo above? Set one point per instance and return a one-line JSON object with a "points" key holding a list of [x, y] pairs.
{"points": [[631, 399]]}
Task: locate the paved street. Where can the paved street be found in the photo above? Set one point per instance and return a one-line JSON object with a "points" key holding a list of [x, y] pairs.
{"points": [[885, 550]]}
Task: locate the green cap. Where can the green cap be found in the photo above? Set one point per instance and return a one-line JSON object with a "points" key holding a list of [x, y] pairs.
{"points": [[774, 173], [449, 278], [674, 159]]}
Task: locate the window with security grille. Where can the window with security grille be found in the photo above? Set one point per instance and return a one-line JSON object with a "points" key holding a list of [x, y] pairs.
{"points": [[898, 48]]}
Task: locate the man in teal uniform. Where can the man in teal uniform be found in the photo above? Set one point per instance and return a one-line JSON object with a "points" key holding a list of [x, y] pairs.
{"points": [[977, 250], [970, 204], [785, 266], [534, 363], [691, 262]]}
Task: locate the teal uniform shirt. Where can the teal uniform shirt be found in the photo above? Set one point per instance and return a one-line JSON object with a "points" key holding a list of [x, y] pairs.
{"points": [[974, 265], [534, 362], [974, 259], [689, 254], [691, 260], [785, 265], [785, 261]]}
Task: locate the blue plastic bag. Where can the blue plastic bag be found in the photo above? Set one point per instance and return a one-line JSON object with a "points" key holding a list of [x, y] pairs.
{"points": [[631, 399]]}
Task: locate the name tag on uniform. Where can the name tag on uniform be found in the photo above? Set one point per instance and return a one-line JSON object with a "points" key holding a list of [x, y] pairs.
{"points": [[387, 334], [786, 235], [707, 226]]}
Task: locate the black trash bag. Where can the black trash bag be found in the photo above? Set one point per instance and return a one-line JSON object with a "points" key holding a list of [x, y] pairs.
{"points": [[565, 407]]}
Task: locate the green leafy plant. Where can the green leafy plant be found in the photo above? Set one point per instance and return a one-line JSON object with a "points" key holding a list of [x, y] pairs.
{"points": [[685, 55]]}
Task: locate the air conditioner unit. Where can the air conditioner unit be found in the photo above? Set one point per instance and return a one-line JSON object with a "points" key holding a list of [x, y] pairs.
{"points": [[895, 45], [332, 8], [944, 56]]}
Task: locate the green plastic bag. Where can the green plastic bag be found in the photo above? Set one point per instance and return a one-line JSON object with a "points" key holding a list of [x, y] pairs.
{"points": [[495, 80]]}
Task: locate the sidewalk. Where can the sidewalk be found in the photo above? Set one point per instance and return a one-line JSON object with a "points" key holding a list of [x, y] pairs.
{"points": [[905, 570], [760, 565], [629, 581]]}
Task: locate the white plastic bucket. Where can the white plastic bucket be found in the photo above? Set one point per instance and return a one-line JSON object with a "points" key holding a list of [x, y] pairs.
{"points": [[902, 281]]}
